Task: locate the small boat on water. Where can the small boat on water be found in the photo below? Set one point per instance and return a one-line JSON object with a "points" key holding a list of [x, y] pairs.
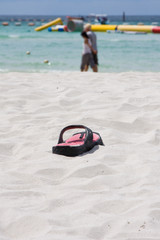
{"points": [[31, 24], [155, 23], [17, 24], [5, 23], [98, 18]]}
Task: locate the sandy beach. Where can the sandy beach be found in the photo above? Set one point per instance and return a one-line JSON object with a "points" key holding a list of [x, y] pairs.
{"points": [[111, 193]]}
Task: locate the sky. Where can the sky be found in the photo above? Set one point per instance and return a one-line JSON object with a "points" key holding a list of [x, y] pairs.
{"points": [[79, 7]]}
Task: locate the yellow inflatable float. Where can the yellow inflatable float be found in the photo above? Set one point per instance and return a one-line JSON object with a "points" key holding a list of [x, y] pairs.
{"points": [[135, 28], [54, 22], [102, 28]]}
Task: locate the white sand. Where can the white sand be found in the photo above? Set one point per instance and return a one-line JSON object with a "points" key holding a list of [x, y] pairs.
{"points": [[112, 193]]}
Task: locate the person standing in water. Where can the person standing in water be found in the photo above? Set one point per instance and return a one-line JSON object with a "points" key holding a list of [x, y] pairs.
{"points": [[87, 56], [92, 36]]}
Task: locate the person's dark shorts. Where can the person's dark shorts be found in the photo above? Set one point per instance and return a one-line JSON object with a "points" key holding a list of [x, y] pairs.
{"points": [[87, 59], [95, 58]]}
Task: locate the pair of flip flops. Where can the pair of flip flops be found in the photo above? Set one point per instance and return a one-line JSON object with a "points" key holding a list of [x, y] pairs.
{"points": [[77, 144]]}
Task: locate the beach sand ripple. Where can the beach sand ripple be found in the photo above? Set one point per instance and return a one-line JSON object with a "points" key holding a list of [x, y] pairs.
{"points": [[110, 193]]}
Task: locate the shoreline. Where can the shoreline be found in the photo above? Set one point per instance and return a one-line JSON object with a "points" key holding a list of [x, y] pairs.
{"points": [[79, 72]]}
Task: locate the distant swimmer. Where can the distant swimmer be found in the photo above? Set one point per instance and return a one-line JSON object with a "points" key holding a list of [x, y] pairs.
{"points": [[46, 61]]}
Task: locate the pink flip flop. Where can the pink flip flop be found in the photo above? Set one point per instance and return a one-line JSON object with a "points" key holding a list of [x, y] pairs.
{"points": [[78, 143]]}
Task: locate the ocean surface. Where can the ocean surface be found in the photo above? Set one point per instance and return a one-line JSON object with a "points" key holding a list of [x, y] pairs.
{"points": [[116, 52]]}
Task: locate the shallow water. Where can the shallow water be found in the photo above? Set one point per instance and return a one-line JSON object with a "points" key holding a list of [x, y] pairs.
{"points": [[117, 52]]}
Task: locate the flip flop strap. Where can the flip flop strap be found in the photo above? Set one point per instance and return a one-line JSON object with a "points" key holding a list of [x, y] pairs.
{"points": [[88, 131]]}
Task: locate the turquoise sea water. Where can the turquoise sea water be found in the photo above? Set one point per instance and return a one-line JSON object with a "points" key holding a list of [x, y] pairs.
{"points": [[117, 52]]}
